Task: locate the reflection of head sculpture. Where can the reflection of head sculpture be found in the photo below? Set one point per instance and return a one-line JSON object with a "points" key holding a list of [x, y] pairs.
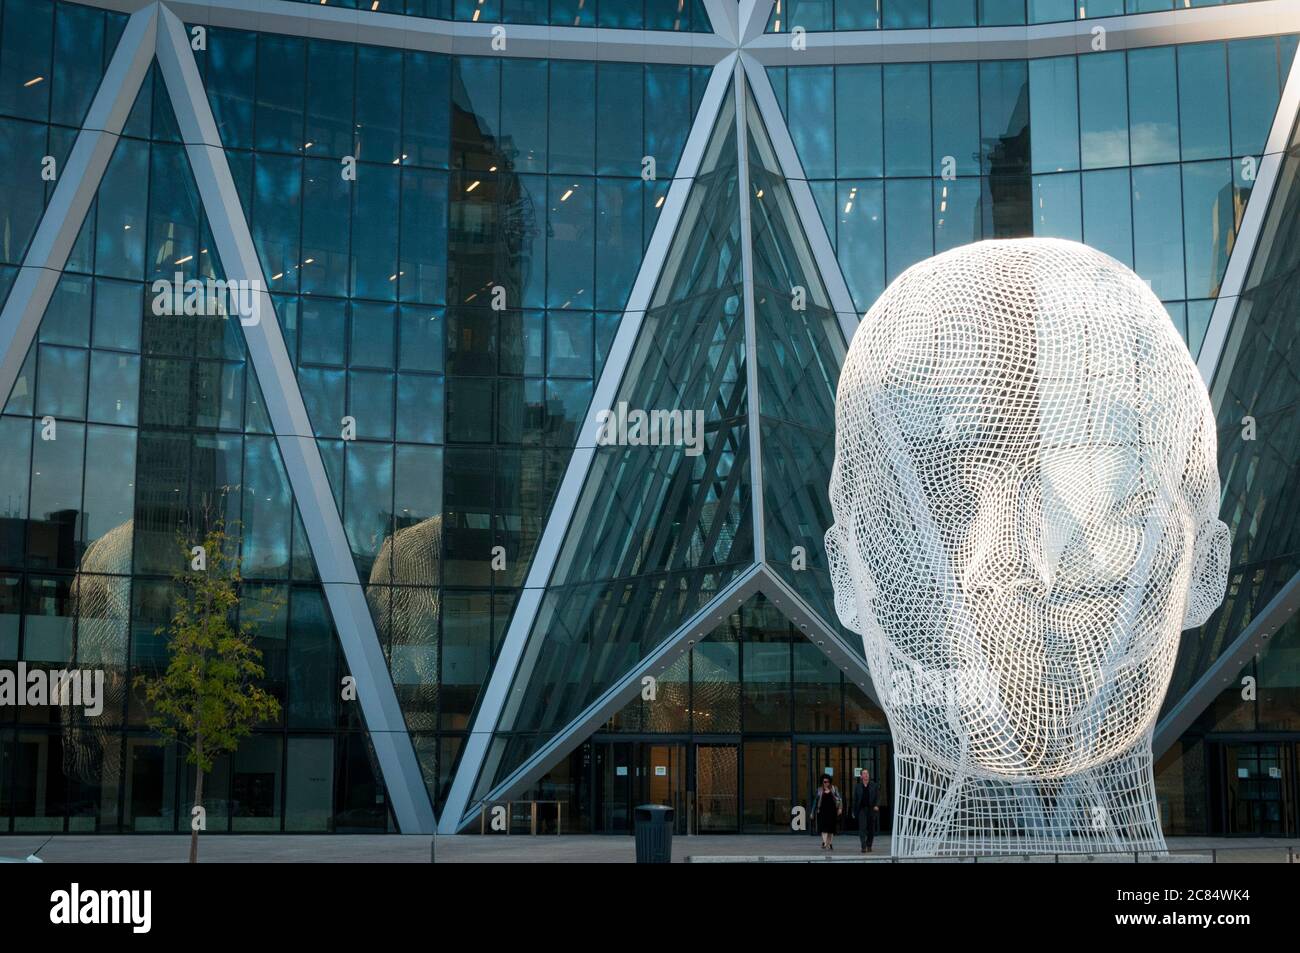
{"points": [[1025, 500], [100, 598], [403, 595]]}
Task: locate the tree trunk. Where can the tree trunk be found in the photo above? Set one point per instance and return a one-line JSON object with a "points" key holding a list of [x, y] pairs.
{"points": [[198, 799]]}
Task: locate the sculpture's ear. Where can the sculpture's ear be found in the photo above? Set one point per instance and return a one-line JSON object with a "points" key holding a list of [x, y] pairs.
{"points": [[1211, 554], [852, 582]]}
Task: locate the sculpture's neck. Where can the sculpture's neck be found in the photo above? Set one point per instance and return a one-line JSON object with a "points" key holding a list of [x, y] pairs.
{"points": [[1108, 808]]}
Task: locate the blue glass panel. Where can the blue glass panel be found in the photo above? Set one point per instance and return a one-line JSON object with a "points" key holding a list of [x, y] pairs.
{"points": [[368, 500], [61, 381], [1158, 229], [330, 69], [618, 118], [1208, 224], [908, 236], [955, 111], [1001, 12], [859, 141], [276, 218], [1054, 113], [78, 59], [618, 240], [569, 344], [374, 232], [420, 409], [571, 249], [370, 402], [420, 338], [1107, 220], [423, 236], [1198, 322], [1057, 211], [811, 119], [281, 92], [523, 113], [373, 334], [1203, 100], [475, 111], [573, 13], [323, 391], [326, 220], [25, 46], [952, 13], [667, 115], [67, 316], [904, 14], [118, 308], [109, 499], [572, 117], [907, 118], [230, 70], [378, 119], [958, 219], [1254, 90], [1153, 105], [426, 132], [323, 333], [1050, 11], [1103, 111], [114, 387], [268, 506], [1004, 117], [23, 145], [860, 240]]}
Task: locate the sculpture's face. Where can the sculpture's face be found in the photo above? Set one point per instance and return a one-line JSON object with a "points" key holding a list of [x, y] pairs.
{"points": [[1025, 498]]}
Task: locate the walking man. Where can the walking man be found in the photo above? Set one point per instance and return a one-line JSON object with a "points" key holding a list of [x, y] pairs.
{"points": [[866, 808]]}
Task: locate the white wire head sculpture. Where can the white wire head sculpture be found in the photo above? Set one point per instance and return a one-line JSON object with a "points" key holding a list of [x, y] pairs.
{"points": [[1026, 516]]}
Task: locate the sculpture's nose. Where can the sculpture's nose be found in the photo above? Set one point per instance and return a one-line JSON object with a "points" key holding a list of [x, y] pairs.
{"points": [[1007, 550]]}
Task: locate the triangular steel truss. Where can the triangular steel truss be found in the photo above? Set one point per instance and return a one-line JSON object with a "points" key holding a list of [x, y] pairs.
{"points": [[739, 52]]}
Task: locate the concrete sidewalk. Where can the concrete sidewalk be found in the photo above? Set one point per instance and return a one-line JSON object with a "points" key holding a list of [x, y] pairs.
{"points": [[569, 848]]}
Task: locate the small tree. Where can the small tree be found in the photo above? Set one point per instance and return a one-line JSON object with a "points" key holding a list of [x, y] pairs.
{"points": [[207, 698]]}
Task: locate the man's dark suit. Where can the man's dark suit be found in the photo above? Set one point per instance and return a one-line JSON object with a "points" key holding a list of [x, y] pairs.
{"points": [[865, 799]]}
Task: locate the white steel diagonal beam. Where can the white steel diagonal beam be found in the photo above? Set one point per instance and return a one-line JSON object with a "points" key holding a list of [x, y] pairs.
{"points": [[746, 191], [725, 17], [754, 15], [495, 695], [295, 436], [78, 181]]}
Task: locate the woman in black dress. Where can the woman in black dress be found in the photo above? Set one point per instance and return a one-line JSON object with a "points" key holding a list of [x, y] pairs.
{"points": [[829, 809]]}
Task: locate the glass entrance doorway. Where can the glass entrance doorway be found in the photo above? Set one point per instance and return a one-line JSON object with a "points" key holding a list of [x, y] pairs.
{"points": [[636, 772], [843, 762], [1259, 792], [722, 785], [717, 789]]}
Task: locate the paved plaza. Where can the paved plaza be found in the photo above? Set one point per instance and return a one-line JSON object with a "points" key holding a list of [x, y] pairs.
{"points": [[571, 848]]}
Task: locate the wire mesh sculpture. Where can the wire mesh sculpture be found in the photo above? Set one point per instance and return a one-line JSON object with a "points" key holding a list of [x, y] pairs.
{"points": [[1026, 507]]}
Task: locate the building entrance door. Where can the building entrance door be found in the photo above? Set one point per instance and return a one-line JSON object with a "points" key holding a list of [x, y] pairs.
{"points": [[1259, 793], [843, 762], [717, 788], [661, 779]]}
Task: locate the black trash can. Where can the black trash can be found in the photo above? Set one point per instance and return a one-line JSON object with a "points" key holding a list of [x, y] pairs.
{"points": [[654, 834]]}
